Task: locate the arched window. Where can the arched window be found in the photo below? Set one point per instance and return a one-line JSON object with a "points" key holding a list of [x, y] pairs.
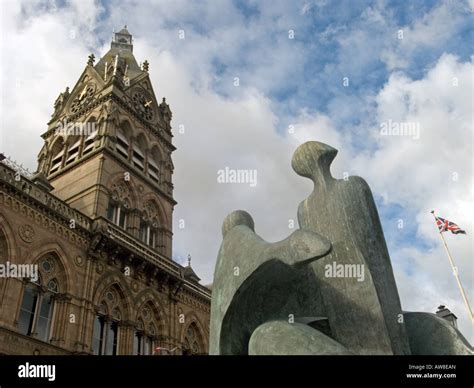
{"points": [[37, 309], [138, 156], [118, 213], [153, 169], [123, 144], [45, 311], [3, 251], [146, 334], [91, 132], [119, 204], [138, 339], [3, 247], [150, 339], [58, 155], [148, 233], [192, 340], [106, 325], [98, 330], [28, 310], [74, 144], [149, 225]]}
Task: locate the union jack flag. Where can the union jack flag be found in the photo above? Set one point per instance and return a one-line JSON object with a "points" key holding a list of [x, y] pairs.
{"points": [[445, 225]]}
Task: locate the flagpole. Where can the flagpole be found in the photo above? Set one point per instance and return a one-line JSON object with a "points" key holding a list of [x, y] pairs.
{"points": [[455, 272]]}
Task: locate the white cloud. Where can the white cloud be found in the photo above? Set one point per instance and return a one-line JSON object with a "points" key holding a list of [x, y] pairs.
{"points": [[434, 172], [40, 57], [428, 31]]}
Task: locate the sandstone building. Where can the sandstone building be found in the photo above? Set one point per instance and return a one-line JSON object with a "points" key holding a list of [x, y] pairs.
{"points": [[96, 219]]}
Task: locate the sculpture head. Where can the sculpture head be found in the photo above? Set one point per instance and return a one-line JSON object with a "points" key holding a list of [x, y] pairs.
{"points": [[313, 158], [238, 217]]}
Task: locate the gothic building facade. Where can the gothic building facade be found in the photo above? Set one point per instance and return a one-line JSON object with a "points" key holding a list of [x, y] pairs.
{"points": [[95, 221]]}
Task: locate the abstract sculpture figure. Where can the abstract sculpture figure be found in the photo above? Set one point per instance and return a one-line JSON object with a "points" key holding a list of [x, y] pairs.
{"points": [[301, 295]]}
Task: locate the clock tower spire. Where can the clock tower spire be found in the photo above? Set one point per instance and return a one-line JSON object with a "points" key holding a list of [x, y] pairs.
{"points": [[107, 150]]}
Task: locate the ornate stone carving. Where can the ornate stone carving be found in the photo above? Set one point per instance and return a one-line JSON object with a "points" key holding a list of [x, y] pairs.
{"points": [[99, 268], [27, 233], [60, 102], [79, 261]]}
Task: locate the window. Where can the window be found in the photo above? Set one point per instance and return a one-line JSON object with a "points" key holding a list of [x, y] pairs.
{"points": [[117, 214], [148, 350], [143, 344], [111, 344], [98, 335], [36, 313], [138, 158], [57, 162], [73, 152], [122, 218], [138, 339], [143, 230], [138, 343], [145, 339], [191, 341], [105, 336], [45, 316], [89, 143], [3, 247], [47, 265], [153, 171], [151, 238], [53, 286], [111, 211], [149, 339], [122, 145], [147, 233], [28, 309]]}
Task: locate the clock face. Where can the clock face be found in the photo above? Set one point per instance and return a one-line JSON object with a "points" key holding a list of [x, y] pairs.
{"points": [[143, 105], [82, 98]]}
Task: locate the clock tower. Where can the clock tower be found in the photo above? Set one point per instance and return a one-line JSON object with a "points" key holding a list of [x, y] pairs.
{"points": [[107, 150]]}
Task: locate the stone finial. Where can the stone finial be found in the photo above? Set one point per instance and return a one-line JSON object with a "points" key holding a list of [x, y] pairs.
{"points": [[189, 260], [91, 60], [146, 66]]}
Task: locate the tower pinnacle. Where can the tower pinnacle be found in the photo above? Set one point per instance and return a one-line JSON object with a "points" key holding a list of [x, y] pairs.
{"points": [[122, 40]]}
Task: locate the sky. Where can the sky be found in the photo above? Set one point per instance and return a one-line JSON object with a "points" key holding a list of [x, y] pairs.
{"points": [[249, 81]]}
